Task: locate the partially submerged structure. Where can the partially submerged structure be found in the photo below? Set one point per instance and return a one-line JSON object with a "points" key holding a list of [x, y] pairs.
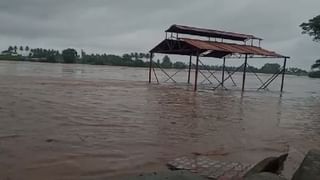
{"points": [[214, 44]]}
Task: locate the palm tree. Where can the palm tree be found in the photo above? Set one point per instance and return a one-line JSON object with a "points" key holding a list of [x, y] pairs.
{"points": [[27, 48], [10, 49], [15, 48], [141, 55], [21, 48], [132, 55], [147, 56], [136, 56]]}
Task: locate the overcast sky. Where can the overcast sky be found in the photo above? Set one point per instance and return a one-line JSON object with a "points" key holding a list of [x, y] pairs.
{"points": [[120, 26]]}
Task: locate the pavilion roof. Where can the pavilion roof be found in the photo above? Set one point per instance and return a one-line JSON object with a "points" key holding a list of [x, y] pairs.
{"points": [[210, 33], [184, 46]]}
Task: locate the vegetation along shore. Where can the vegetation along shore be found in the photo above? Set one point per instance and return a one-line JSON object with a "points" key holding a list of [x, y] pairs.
{"points": [[70, 56]]}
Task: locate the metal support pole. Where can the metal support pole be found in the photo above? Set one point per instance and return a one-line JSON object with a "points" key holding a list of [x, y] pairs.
{"points": [[270, 80], [244, 72], [189, 72], [150, 67], [223, 69], [273, 78], [283, 73], [196, 74]]}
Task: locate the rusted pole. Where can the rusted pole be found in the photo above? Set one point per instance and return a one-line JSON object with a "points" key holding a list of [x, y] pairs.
{"points": [[283, 73], [244, 72], [150, 67], [272, 79], [196, 74], [189, 73], [223, 69]]}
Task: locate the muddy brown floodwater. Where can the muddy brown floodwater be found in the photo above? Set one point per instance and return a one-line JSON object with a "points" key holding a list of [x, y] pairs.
{"points": [[99, 122]]}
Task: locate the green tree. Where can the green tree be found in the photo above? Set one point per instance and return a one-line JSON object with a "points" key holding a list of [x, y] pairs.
{"points": [[83, 54], [69, 55], [312, 28], [52, 58], [297, 71], [27, 48], [316, 65], [139, 63], [270, 68], [21, 48], [15, 48], [127, 57], [10, 48], [252, 69], [166, 62], [179, 65], [132, 55], [315, 73], [147, 56], [141, 55], [136, 56]]}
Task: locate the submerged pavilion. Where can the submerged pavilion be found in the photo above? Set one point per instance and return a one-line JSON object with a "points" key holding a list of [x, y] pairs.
{"points": [[215, 44]]}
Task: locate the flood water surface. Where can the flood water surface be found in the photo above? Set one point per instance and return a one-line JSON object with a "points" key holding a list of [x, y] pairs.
{"points": [[100, 122]]}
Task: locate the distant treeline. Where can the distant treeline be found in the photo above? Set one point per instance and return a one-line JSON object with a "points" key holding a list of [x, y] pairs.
{"points": [[132, 60]]}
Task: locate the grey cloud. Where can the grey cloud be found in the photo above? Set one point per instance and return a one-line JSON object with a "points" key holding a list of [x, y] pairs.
{"points": [[119, 26]]}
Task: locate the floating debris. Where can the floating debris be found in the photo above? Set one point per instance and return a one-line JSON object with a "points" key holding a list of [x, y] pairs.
{"points": [[50, 140]]}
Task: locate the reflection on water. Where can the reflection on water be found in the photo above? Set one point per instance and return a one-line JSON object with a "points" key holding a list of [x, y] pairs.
{"points": [[97, 122]]}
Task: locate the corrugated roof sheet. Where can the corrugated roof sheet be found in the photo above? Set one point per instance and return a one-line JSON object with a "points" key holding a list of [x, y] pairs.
{"points": [[231, 48], [210, 33], [185, 46]]}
